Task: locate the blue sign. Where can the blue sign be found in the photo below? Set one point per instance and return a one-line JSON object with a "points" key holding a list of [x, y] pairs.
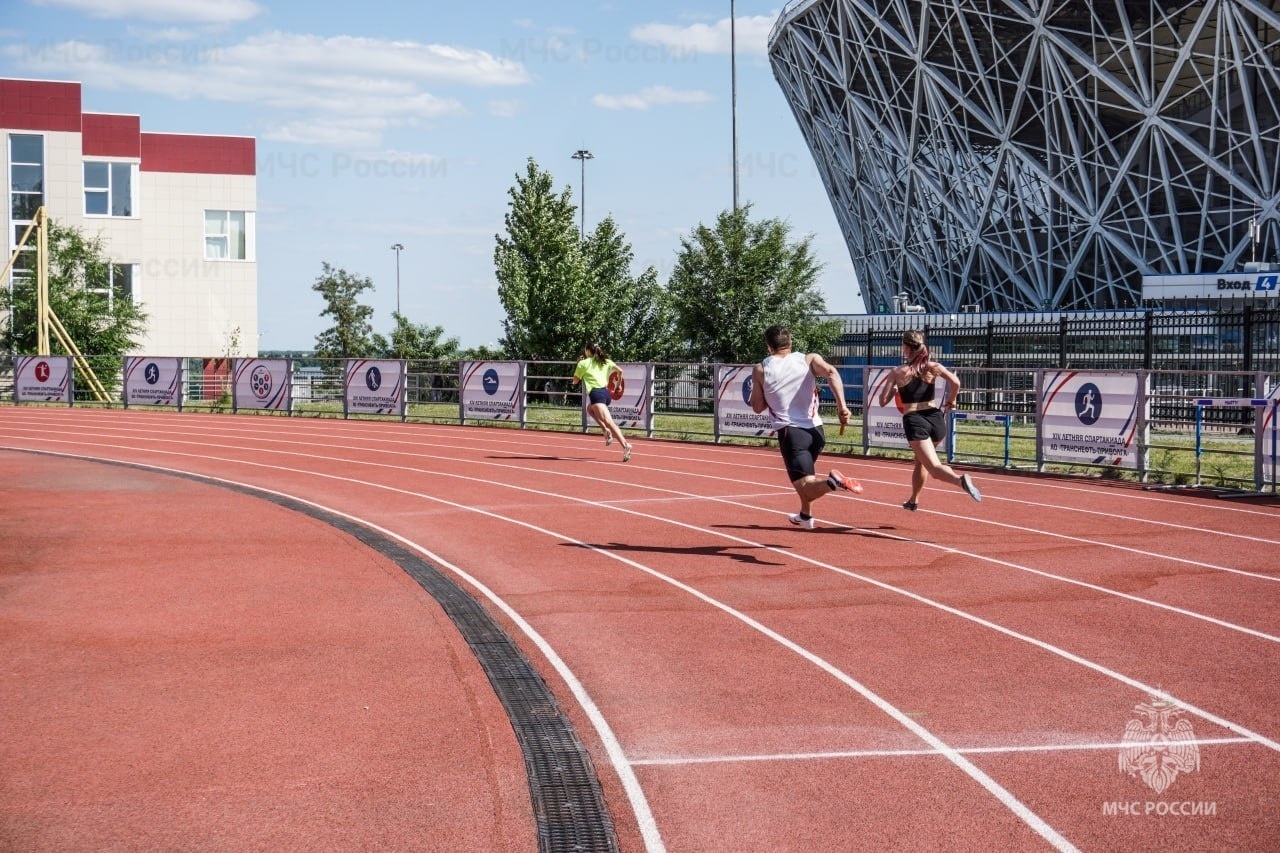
{"points": [[1088, 404], [490, 381], [151, 373], [746, 390], [373, 378]]}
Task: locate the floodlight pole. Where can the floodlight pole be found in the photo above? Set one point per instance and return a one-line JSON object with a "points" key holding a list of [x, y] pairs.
{"points": [[582, 156], [733, 99], [397, 248]]}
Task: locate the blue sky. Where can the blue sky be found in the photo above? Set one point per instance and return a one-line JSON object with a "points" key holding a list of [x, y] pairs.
{"points": [[381, 123]]}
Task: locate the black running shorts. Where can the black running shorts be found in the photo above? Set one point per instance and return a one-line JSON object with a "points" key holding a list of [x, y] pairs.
{"points": [[800, 447], [926, 424]]}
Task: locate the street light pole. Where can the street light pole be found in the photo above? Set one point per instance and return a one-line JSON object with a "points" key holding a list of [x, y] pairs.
{"points": [[397, 248], [582, 156], [733, 86]]}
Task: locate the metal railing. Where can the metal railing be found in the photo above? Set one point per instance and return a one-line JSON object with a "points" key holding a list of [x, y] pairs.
{"points": [[1184, 438]]}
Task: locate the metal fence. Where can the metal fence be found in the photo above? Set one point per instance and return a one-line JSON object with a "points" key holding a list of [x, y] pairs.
{"points": [[1239, 340], [1181, 442]]}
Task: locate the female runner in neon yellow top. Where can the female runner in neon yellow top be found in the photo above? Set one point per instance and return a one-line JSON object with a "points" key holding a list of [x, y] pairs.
{"points": [[594, 371]]}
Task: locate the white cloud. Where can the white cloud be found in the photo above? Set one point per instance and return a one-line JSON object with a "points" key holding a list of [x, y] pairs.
{"points": [[751, 36], [652, 96], [339, 90], [335, 134], [169, 11]]}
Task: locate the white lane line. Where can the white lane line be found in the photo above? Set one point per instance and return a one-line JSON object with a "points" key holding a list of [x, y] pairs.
{"points": [[1012, 803], [1169, 608], [638, 461], [1144, 689], [1054, 649], [662, 448], [915, 753], [526, 439]]}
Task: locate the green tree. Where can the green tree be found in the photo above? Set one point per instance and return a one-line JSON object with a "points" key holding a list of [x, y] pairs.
{"points": [[734, 280], [550, 310], [632, 315], [86, 295], [562, 290], [417, 342], [483, 352], [351, 335]]}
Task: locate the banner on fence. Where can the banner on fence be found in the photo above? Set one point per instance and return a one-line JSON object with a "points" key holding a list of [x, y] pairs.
{"points": [[631, 407], [1089, 418], [152, 381], [493, 390], [43, 379], [733, 403], [262, 383], [882, 425], [373, 387]]}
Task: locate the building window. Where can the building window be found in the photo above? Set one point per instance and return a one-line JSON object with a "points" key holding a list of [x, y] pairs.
{"points": [[114, 281], [228, 235], [108, 188], [26, 194]]}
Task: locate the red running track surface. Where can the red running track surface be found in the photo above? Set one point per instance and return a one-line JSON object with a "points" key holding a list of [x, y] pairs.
{"points": [[969, 676]]}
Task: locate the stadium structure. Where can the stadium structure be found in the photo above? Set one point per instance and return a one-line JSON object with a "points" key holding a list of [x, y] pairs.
{"points": [[985, 155]]}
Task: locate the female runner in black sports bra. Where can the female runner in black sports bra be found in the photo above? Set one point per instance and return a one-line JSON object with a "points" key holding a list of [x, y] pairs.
{"points": [[924, 423]]}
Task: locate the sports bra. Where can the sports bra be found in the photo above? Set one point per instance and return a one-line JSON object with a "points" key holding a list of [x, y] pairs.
{"points": [[916, 391]]}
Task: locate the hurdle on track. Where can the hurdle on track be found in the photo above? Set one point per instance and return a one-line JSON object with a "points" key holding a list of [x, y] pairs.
{"points": [[974, 416], [1265, 438]]}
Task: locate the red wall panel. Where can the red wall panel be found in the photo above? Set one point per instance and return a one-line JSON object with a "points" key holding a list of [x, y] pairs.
{"points": [[111, 136], [39, 105], [205, 155]]}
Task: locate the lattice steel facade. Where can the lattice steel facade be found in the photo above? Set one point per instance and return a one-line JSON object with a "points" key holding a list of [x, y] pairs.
{"points": [[1032, 155]]}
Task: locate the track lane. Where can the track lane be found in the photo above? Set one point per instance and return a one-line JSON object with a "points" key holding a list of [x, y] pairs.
{"points": [[808, 540]]}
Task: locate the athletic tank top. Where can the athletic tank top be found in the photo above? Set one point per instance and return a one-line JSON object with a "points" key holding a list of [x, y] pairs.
{"points": [[790, 391], [916, 391]]}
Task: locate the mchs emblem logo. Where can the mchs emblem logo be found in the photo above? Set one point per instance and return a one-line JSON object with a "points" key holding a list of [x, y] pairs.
{"points": [[1157, 745]]}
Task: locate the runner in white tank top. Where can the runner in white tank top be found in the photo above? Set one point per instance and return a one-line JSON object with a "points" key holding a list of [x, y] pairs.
{"points": [[790, 391], [785, 384]]}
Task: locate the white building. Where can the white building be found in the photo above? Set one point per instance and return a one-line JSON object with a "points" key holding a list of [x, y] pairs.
{"points": [[175, 212]]}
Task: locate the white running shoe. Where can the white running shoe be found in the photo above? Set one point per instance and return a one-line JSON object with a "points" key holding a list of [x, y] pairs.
{"points": [[809, 523]]}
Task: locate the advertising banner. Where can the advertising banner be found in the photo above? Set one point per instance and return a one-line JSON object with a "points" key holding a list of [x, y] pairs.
{"points": [[262, 383], [1089, 418], [152, 381], [43, 379], [882, 425], [492, 390], [733, 403], [631, 406], [373, 387]]}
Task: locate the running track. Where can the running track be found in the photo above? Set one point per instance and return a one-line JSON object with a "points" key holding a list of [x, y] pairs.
{"points": [[956, 678]]}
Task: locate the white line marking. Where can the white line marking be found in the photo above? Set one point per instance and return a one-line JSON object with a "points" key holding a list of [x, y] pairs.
{"points": [[418, 454], [1034, 821], [1145, 689], [913, 753]]}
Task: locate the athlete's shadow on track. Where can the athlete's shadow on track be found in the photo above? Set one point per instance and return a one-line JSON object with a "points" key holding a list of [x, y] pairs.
{"points": [[545, 458], [697, 551], [842, 529]]}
